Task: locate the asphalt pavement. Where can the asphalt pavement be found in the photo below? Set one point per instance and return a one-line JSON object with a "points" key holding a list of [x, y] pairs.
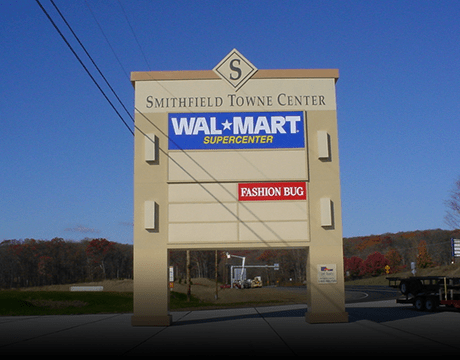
{"points": [[376, 328], [366, 293]]}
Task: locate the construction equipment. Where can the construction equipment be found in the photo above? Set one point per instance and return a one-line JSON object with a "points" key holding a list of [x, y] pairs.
{"points": [[248, 283], [427, 293], [256, 282], [239, 281]]}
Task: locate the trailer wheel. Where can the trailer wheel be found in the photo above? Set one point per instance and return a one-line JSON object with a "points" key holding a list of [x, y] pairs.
{"points": [[431, 304], [411, 286], [404, 288], [419, 303]]}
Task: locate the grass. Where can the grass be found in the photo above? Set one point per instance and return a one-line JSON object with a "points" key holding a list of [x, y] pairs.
{"points": [[32, 303], [179, 301], [23, 303]]}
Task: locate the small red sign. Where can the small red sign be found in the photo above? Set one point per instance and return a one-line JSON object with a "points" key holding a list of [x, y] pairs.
{"points": [[272, 191]]}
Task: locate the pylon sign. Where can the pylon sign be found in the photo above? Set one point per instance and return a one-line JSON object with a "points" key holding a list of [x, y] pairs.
{"points": [[236, 158]]}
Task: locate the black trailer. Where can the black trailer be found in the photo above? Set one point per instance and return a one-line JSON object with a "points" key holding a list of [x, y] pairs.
{"points": [[427, 293]]}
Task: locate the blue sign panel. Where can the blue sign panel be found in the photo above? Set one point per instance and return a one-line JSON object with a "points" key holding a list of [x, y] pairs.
{"points": [[248, 130]]}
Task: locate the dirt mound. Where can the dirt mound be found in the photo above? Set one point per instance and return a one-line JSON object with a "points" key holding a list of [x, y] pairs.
{"points": [[205, 290]]}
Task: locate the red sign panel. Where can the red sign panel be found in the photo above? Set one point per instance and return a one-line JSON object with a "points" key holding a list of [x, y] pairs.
{"points": [[272, 191]]}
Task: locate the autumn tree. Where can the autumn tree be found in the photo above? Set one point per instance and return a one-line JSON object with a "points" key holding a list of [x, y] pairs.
{"points": [[98, 251], [394, 261], [122, 261], [423, 258], [25, 258], [45, 267], [353, 266], [375, 264]]}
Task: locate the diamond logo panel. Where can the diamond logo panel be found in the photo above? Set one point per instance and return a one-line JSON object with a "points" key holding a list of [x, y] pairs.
{"points": [[235, 69]]}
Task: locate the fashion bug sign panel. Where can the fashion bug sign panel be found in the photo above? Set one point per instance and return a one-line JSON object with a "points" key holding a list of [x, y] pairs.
{"points": [[272, 191], [248, 130]]}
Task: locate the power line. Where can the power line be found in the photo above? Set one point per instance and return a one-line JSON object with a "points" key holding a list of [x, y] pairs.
{"points": [[107, 40], [89, 56], [166, 135], [81, 62], [236, 216], [134, 34]]}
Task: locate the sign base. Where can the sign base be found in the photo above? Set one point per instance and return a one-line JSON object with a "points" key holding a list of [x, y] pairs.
{"points": [[326, 318], [165, 320]]}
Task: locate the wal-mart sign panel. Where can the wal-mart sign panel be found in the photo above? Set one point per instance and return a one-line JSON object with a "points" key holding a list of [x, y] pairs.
{"points": [[246, 130]]}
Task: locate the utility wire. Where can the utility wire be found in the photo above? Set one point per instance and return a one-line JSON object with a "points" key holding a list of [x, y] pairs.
{"points": [[160, 131], [143, 115], [82, 64], [89, 56], [134, 34], [107, 40]]}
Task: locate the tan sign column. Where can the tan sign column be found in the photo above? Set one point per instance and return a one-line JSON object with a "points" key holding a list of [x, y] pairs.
{"points": [[236, 158], [151, 293], [325, 278]]}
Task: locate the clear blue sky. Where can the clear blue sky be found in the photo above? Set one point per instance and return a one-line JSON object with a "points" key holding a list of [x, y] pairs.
{"points": [[67, 159]]}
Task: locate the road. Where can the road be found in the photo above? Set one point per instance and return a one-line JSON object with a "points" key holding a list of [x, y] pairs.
{"points": [[361, 293]]}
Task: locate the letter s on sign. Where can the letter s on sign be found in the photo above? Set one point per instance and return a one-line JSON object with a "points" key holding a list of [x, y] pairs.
{"points": [[149, 102], [236, 69]]}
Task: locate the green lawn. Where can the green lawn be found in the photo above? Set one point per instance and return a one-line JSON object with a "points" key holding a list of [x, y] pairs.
{"points": [[27, 303], [13, 302]]}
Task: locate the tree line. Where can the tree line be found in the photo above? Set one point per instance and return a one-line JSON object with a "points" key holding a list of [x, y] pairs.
{"points": [[368, 255], [29, 262]]}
